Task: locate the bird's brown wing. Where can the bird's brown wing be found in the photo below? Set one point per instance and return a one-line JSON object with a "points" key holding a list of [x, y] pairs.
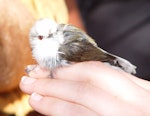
{"points": [[79, 50], [79, 47]]}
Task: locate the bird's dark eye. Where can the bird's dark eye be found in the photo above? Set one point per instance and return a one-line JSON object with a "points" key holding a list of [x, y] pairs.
{"points": [[50, 35], [40, 37]]}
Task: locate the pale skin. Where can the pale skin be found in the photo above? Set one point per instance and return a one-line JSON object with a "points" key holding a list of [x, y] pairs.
{"points": [[87, 89]]}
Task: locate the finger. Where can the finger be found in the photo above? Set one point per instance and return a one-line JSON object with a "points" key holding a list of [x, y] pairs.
{"points": [[74, 69], [58, 107], [48, 86], [77, 72]]}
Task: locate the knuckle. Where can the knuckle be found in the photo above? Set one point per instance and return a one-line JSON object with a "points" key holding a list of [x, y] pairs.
{"points": [[81, 91]]}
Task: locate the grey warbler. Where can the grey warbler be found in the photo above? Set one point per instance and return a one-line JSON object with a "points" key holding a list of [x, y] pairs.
{"points": [[54, 45]]}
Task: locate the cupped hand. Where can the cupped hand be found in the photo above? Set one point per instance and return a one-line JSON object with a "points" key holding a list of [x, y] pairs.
{"points": [[86, 89]]}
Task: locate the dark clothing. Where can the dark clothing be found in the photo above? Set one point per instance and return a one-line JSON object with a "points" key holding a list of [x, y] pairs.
{"points": [[121, 27]]}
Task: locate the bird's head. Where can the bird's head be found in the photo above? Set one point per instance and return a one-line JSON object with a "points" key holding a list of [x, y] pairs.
{"points": [[44, 40], [43, 28]]}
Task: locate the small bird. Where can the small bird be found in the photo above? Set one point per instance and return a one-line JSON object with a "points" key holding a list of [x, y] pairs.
{"points": [[54, 45]]}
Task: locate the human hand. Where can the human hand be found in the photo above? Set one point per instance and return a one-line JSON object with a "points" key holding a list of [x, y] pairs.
{"points": [[88, 89]]}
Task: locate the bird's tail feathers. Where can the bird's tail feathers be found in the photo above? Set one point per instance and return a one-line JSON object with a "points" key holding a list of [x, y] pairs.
{"points": [[123, 64]]}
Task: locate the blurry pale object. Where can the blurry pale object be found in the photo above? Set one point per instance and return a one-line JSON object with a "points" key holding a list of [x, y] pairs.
{"points": [[54, 9], [16, 19]]}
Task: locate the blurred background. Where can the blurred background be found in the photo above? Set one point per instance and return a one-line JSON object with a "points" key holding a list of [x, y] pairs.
{"points": [[121, 27]]}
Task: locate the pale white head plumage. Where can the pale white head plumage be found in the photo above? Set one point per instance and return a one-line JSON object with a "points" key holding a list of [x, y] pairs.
{"points": [[44, 27], [45, 43]]}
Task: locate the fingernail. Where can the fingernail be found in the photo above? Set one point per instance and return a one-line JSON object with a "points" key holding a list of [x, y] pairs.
{"points": [[36, 96], [27, 80]]}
